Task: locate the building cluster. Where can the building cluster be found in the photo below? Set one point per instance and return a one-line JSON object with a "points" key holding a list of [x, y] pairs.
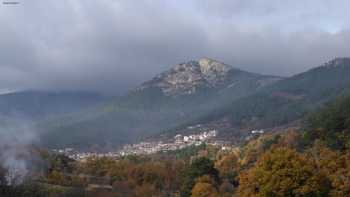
{"points": [[77, 155], [253, 134], [144, 148], [178, 142], [257, 131]]}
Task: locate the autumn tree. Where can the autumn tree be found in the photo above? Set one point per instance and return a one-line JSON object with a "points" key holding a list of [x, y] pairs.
{"points": [[283, 172], [228, 166], [97, 166], [226, 189], [336, 165], [146, 190], [199, 167], [56, 177], [205, 187]]}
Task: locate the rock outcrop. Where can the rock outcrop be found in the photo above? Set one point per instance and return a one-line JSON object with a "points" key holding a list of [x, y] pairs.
{"points": [[186, 78]]}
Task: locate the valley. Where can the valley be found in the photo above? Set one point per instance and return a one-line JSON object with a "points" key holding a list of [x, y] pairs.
{"points": [[199, 122], [204, 92], [193, 98]]}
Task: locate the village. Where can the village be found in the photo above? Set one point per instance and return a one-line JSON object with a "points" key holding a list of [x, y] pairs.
{"points": [[145, 148], [178, 142]]}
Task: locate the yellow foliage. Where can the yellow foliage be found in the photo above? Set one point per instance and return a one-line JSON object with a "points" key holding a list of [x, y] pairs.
{"points": [[336, 165], [57, 178], [204, 190], [228, 166], [283, 172]]}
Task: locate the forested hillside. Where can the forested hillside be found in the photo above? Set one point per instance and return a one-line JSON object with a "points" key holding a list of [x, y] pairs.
{"points": [[189, 94], [184, 92], [287, 100], [313, 161], [331, 124]]}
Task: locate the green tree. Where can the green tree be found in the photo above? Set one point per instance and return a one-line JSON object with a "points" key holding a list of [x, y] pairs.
{"points": [[331, 124]]}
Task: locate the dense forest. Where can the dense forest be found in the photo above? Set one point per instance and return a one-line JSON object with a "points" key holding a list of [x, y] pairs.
{"points": [[311, 161]]}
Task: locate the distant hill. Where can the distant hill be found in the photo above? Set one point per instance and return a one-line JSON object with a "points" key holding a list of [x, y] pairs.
{"points": [[284, 101], [36, 105], [184, 92]]}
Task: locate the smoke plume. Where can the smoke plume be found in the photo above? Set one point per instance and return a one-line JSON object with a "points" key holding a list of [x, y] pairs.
{"points": [[15, 142]]}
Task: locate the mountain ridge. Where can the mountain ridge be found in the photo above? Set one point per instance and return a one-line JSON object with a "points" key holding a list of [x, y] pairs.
{"points": [[179, 94], [186, 78], [285, 101]]}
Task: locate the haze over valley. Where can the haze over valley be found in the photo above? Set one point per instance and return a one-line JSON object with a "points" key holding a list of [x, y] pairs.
{"points": [[194, 98]]}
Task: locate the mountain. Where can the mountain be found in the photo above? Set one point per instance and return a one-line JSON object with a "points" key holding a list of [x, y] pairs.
{"points": [[283, 102], [182, 93], [188, 78], [203, 84]]}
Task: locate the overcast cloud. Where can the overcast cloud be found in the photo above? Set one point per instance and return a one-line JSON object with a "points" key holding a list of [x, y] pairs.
{"points": [[110, 45]]}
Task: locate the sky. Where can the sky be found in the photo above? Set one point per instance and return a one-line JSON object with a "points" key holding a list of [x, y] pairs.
{"points": [[113, 45]]}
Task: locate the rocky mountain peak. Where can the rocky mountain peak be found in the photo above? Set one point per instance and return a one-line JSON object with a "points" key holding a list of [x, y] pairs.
{"points": [[189, 77], [336, 62], [212, 70], [186, 78], [210, 67]]}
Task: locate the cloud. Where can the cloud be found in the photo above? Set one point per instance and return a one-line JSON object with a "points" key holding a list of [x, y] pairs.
{"points": [[112, 45]]}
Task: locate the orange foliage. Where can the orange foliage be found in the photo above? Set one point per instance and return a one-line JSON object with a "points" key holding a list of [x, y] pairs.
{"points": [[283, 172]]}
